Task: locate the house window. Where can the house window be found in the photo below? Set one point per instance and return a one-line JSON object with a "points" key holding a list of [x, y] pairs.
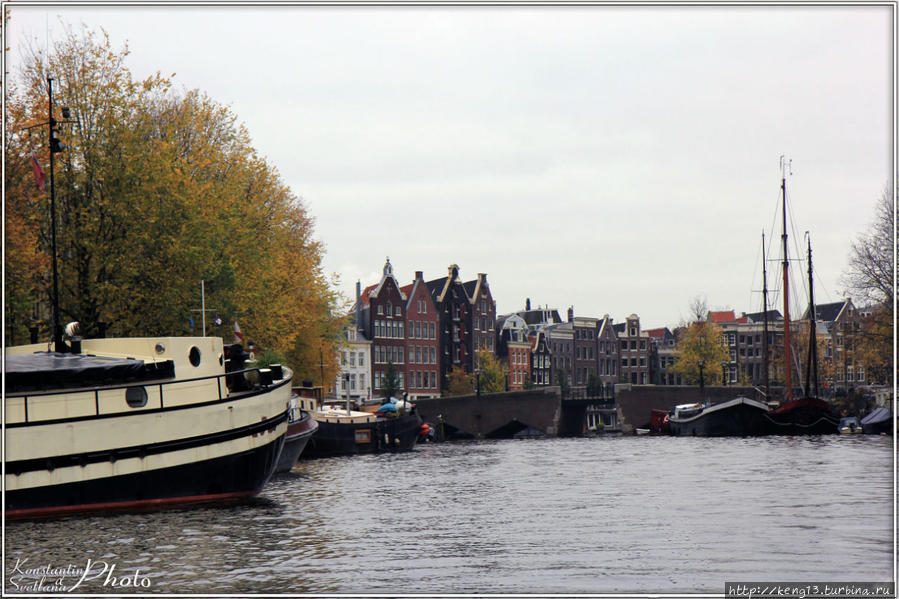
{"points": [[398, 311], [361, 358], [380, 310]]}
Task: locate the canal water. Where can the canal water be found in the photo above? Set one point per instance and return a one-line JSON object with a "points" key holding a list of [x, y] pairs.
{"points": [[608, 514]]}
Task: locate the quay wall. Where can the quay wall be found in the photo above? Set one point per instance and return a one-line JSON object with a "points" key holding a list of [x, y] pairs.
{"points": [[636, 402]]}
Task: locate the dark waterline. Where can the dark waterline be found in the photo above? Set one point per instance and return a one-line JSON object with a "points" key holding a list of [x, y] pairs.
{"points": [[595, 515]]}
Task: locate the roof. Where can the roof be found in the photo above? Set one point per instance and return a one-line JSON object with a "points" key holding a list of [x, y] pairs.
{"points": [[829, 312], [657, 333], [366, 293], [773, 315], [540, 316], [726, 316]]}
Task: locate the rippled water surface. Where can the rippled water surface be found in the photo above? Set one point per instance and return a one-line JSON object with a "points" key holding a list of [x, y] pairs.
{"points": [[593, 515]]}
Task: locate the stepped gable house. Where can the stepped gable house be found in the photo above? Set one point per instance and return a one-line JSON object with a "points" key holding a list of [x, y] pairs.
{"points": [[382, 310], [422, 345]]}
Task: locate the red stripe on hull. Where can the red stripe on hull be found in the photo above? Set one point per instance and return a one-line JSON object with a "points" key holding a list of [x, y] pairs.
{"points": [[131, 506]]}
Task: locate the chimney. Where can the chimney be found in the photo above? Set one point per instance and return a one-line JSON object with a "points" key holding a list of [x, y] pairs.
{"points": [[418, 274], [570, 313], [527, 304]]}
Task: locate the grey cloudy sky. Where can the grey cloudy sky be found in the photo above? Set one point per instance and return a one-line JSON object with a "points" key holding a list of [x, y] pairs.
{"points": [[617, 159]]}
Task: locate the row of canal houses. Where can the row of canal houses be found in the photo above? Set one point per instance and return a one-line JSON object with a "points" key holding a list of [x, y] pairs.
{"points": [[426, 328]]}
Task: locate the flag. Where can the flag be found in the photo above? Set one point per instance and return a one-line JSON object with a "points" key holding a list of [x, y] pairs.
{"points": [[238, 336], [39, 173], [218, 320]]}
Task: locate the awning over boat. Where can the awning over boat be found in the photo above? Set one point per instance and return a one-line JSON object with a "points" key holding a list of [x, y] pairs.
{"points": [[45, 371], [878, 415]]}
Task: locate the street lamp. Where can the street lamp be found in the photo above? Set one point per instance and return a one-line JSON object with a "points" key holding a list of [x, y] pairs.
{"points": [[56, 146]]}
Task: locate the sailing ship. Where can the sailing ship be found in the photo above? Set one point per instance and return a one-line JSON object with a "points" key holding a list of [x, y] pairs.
{"points": [[138, 423], [807, 415]]}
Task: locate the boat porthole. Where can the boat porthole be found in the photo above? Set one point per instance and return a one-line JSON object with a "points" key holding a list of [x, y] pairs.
{"points": [[221, 360], [160, 348], [136, 397], [194, 356]]}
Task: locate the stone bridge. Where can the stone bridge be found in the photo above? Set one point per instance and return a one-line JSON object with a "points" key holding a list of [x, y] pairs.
{"points": [[539, 412]]}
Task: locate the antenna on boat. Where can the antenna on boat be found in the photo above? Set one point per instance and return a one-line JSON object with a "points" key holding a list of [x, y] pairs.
{"points": [[203, 309]]}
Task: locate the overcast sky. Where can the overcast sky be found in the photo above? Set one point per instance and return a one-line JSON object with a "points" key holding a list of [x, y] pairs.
{"points": [[617, 159]]}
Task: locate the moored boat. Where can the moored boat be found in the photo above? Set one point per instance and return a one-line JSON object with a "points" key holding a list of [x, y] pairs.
{"points": [[850, 426], [138, 423], [300, 428], [804, 416], [738, 417], [879, 421], [346, 432]]}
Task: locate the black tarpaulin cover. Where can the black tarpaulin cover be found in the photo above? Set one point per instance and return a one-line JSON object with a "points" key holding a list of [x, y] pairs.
{"points": [[44, 371]]}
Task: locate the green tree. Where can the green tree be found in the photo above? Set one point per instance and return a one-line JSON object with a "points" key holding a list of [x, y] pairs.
{"points": [[459, 382], [492, 374], [156, 191], [562, 381], [702, 342], [390, 384], [594, 385]]}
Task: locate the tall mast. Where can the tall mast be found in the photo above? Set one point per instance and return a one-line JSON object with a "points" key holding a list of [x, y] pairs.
{"points": [[765, 317], [812, 367], [788, 383]]}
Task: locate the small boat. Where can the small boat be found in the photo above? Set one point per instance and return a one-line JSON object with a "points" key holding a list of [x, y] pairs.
{"points": [[879, 421], [641, 431], [343, 431], [138, 423], [738, 417], [300, 428], [850, 426]]}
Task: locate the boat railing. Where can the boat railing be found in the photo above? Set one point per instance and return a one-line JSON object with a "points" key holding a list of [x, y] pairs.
{"points": [[141, 399]]}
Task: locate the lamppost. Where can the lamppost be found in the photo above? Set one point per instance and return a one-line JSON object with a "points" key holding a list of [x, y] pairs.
{"points": [[56, 146]]}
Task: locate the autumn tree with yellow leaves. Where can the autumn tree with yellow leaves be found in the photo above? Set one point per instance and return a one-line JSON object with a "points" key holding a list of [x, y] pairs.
{"points": [[155, 191]]}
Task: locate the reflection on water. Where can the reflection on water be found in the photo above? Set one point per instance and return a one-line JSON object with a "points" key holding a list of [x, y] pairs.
{"points": [[606, 514]]}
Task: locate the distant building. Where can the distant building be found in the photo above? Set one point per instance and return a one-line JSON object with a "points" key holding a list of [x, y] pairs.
{"points": [[842, 323], [607, 355], [560, 341], [634, 348], [422, 342], [513, 348], [353, 378], [541, 359], [383, 316], [663, 357], [466, 315]]}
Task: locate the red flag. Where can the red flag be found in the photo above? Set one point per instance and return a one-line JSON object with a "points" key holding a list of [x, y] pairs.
{"points": [[238, 336], [39, 174]]}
